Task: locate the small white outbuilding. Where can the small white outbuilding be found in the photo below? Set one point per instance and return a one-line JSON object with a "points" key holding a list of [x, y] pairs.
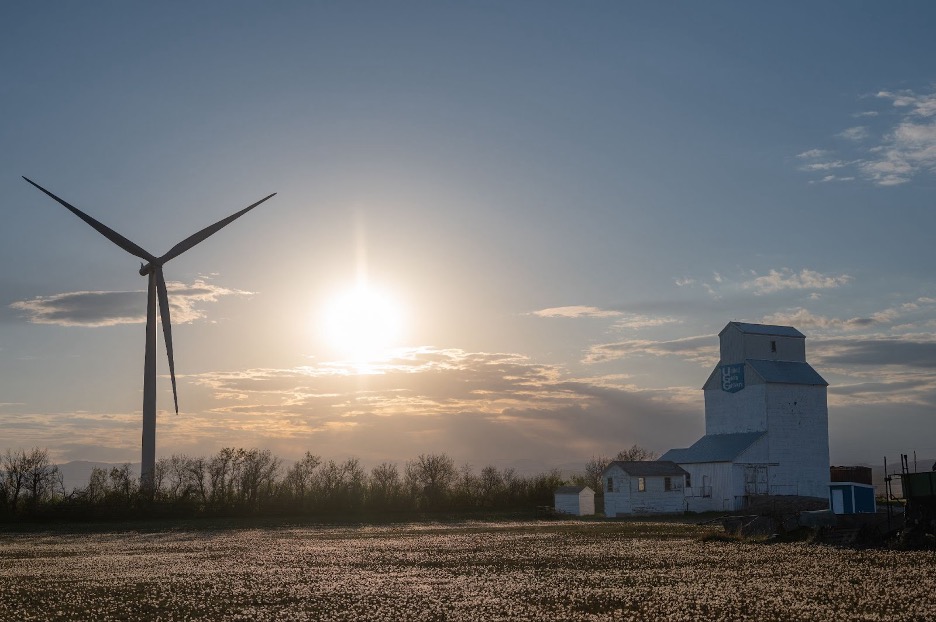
{"points": [[575, 500], [643, 487]]}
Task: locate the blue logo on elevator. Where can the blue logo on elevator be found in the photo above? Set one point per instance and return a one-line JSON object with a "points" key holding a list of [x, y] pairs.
{"points": [[732, 377]]}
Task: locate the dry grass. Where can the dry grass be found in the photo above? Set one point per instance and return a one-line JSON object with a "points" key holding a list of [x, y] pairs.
{"points": [[565, 570]]}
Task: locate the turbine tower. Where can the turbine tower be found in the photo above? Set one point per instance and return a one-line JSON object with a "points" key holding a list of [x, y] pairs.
{"points": [[155, 294]]}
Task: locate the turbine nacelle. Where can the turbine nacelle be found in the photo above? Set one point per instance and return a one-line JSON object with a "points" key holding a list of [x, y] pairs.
{"points": [[146, 269]]}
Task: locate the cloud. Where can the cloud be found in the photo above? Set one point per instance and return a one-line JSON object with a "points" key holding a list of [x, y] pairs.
{"points": [[802, 318], [915, 351], [857, 133], [812, 153], [482, 408], [906, 146], [477, 406], [635, 321], [830, 178], [91, 308], [880, 371], [703, 349], [576, 311], [919, 105], [824, 166], [777, 280]]}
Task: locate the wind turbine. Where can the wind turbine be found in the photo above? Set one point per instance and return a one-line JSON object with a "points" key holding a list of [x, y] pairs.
{"points": [[155, 291]]}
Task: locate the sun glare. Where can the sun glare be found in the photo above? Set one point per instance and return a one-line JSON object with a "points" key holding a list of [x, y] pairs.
{"points": [[363, 323]]}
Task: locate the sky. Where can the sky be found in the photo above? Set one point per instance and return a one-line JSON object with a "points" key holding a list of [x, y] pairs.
{"points": [[538, 216]]}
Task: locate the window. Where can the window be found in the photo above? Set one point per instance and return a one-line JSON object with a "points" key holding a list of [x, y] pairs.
{"points": [[641, 484], [688, 480], [610, 484], [773, 346], [667, 484]]}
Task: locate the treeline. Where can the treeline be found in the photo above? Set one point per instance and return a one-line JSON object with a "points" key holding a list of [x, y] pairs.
{"points": [[254, 482]]}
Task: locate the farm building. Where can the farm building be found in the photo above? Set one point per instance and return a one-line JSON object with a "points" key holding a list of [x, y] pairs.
{"points": [[852, 498], [851, 491], [645, 487], [766, 423], [575, 500]]}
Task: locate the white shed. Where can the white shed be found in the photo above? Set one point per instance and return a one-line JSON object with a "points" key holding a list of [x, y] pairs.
{"points": [[575, 500], [643, 487]]}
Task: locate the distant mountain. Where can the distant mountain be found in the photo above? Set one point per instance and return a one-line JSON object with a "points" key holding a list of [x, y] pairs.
{"points": [[77, 473]]}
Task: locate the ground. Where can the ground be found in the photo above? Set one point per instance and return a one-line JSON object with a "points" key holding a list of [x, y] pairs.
{"points": [[547, 570]]}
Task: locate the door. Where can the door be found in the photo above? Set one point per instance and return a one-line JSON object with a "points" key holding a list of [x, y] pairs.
{"points": [[755, 479], [838, 501]]}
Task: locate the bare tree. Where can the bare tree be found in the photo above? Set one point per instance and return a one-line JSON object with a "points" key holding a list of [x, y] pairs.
{"points": [[41, 476], [542, 487], [593, 470], [298, 481], [257, 475], [122, 483], [354, 485], [515, 486], [160, 472], [636, 454], [97, 489], [468, 488], [197, 470], [430, 476], [178, 477], [14, 476], [28, 475], [220, 476], [492, 487], [384, 487], [327, 484]]}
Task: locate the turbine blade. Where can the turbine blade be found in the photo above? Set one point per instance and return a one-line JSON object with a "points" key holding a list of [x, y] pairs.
{"points": [[163, 295], [104, 230], [207, 232]]}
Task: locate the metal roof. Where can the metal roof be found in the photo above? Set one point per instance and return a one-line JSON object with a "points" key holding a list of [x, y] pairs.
{"points": [[765, 329], [786, 372], [648, 468], [714, 448]]}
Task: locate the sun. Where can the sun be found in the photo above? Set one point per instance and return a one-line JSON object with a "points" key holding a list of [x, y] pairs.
{"points": [[363, 323]]}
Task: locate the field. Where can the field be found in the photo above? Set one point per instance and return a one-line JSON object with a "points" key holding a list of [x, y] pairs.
{"points": [[564, 570]]}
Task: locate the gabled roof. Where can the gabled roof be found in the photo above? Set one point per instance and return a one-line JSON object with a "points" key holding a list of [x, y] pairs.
{"points": [[647, 468], [777, 372], [787, 372], [765, 329], [572, 490], [714, 448]]}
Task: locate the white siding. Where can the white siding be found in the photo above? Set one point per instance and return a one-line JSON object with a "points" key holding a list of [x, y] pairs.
{"points": [[737, 347], [712, 487], [798, 440], [582, 504], [587, 502], [744, 411], [655, 499]]}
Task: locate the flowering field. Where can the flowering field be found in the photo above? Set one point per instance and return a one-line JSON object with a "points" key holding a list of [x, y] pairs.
{"points": [[466, 571]]}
